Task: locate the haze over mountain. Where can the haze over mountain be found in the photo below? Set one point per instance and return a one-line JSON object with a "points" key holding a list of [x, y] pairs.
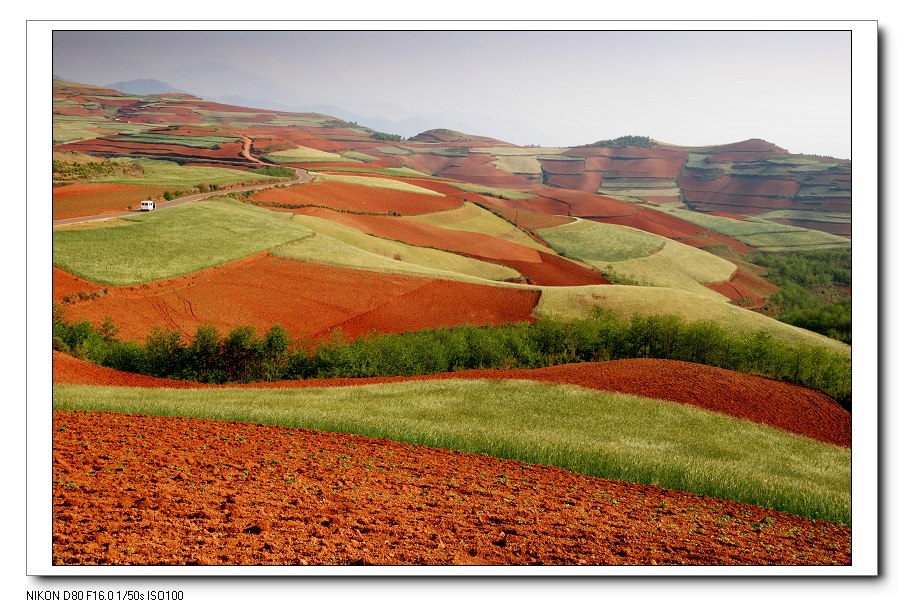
{"points": [[144, 86], [545, 88]]}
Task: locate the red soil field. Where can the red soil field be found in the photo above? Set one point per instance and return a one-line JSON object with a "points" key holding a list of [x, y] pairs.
{"points": [[555, 271], [652, 221], [587, 182], [355, 198], [720, 198], [665, 168], [742, 186], [781, 405], [76, 200], [656, 152], [745, 289], [418, 233], [514, 211], [428, 163], [841, 229], [66, 285], [425, 307], [126, 491], [539, 268], [306, 298], [564, 202], [563, 167]]}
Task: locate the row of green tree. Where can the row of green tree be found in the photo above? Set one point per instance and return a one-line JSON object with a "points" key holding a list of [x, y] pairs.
{"points": [[244, 355]]}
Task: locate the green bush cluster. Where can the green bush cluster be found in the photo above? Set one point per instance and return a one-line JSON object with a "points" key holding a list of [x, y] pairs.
{"points": [[67, 170], [810, 296], [625, 141], [244, 355]]}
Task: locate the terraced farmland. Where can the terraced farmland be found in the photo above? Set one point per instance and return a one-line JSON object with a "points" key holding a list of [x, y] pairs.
{"points": [[465, 277]]}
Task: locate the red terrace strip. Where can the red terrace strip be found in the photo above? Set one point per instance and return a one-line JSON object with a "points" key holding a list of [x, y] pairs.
{"points": [[564, 167], [306, 298], [76, 200], [745, 289], [726, 199], [588, 181], [126, 491], [666, 168], [539, 268], [355, 198], [781, 405], [564, 202]]}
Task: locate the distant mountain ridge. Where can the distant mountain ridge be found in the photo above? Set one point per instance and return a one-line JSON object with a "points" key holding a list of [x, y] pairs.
{"points": [[144, 87]]}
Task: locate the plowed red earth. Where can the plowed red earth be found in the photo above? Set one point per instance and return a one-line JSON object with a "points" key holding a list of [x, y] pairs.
{"points": [[355, 198], [587, 181], [745, 288], [131, 489], [77, 200], [306, 298], [767, 401]]}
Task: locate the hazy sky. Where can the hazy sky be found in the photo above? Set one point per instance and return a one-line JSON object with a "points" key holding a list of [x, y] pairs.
{"points": [[546, 88]]}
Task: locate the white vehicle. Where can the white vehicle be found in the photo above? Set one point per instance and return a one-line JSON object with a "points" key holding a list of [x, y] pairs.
{"points": [[148, 206]]}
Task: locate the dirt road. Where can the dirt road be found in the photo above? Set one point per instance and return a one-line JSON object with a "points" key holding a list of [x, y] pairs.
{"points": [[301, 176]]}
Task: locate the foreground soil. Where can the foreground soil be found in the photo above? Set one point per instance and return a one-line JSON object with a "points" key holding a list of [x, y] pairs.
{"points": [[132, 489], [781, 405]]}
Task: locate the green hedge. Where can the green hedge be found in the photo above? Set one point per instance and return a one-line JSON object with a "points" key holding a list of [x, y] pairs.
{"points": [[244, 355]]}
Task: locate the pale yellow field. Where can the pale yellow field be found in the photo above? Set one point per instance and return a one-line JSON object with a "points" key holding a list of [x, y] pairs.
{"points": [[375, 182], [470, 217], [302, 154], [336, 244], [518, 164], [647, 258], [575, 302]]}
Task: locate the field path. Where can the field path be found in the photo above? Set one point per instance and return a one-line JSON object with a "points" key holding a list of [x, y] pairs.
{"points": [[301, 177]]}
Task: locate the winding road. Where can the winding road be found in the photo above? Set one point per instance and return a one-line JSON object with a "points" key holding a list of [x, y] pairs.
{"points": [[301, 177]]}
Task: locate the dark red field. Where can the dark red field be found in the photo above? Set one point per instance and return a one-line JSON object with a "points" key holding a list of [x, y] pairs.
{"points": [[129, 489], [356, 198], [306, 298]]}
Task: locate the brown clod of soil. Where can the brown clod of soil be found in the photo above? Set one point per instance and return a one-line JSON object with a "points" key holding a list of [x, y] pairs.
{"points": [[173, 491]]}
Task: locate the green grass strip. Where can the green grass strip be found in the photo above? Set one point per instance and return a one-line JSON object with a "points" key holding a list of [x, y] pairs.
{"points": [[172, 242], [602, 434], [503, 193]]}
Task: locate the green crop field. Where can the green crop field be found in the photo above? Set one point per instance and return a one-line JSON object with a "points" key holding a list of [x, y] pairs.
{"points": [[636, 257], [577, 302], [168, 173], [470, 217], [596, 433], [832, 217], [361, 156], [595, 241], [761, 234], [182, 140], [400, 172], [336, 244], [172, 242], [372, 182], [502, 193], [67, 129]]}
